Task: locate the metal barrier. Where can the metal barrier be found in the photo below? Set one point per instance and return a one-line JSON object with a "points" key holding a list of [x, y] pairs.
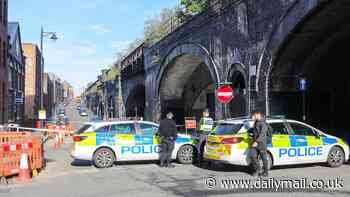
{"points": [[12, 145]]}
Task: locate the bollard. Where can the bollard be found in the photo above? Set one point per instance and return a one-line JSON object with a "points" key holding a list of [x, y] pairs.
{"points": [[37, 124]]}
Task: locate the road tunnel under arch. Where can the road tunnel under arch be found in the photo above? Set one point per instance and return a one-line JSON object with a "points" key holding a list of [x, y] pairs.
{"points": [[238, 107], [187, 88], [316, 50]]}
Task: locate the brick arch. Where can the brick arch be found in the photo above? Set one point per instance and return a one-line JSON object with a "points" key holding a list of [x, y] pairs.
{"points": [[133, 100], [193, 49], [184, 52], [278, 37]]}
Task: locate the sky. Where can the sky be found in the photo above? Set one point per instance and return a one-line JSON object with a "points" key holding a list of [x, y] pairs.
{"points": [[90, 32]]}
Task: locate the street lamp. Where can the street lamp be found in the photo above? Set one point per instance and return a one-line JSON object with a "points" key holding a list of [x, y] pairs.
{"points": [[52, 36]]}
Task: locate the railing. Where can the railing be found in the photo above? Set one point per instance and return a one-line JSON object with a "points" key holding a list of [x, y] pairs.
{"points": [[175, 22]]}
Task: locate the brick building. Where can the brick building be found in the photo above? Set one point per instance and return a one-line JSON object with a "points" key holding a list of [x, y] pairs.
{"points": [[68, 91], [33, 82], [48, 91], [3, 61], [16, 74], [57, 92]]}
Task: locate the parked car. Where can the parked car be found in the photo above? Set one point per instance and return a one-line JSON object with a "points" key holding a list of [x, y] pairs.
{"points": [[293, 142], [107, 142]]}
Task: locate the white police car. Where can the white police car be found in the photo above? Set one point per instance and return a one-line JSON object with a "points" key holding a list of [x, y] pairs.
{"points": [[107, 142], [293, 142]]}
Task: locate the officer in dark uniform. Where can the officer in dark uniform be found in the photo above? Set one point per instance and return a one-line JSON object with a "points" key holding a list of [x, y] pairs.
{"points": [[168, 134], [259, 147]]}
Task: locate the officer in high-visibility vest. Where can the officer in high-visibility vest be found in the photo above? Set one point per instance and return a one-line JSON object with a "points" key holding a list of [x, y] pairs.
{"points": [[206, 124]]}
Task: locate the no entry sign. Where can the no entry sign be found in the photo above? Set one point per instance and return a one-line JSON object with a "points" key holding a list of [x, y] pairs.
{"points": [[224, 94]]}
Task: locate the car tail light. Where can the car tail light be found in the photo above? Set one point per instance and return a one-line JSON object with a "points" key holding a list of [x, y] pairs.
{"points": [[79, 138], [231, 140]]}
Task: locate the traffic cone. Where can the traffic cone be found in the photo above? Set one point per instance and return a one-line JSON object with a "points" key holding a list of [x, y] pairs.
{"points": [[24, 173], [56, 145]]}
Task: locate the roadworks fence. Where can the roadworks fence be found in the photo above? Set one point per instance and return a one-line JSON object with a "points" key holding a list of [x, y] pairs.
{"points": [[13, 145], [15, 141]]}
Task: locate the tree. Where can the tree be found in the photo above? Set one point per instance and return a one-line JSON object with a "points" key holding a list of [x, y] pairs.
{"points": [[160, 25], [131, 46], [193, 7], [156, 27]]}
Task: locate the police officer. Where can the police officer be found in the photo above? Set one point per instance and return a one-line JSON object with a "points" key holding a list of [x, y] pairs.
{"points": [[205, 127], [168, 134], [259, 148]]}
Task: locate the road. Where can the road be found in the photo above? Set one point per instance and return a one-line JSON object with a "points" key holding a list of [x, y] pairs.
{"points": [[64, 177]]}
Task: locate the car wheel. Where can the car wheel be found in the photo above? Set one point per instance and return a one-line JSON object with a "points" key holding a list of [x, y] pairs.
{"points": [[336, 157], [269, 161], [185, 155], [104, 158]]}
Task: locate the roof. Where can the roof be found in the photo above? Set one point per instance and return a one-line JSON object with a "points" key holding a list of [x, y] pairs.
{"points": [[12, 30], [15, 42]]}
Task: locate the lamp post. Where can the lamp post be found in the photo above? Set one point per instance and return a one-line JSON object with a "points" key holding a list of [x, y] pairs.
{"points": [[52, 36]]}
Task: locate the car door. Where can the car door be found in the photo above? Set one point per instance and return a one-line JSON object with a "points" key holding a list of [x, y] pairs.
{"points": [[280, 143], [148, 141], [124, 134], [307, 144], [104, 137]]}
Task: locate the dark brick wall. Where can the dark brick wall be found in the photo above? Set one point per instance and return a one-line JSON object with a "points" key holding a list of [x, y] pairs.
{"points": [[246, 32]]}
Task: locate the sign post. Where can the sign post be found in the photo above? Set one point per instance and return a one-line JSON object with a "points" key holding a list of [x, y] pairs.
{"points": [[303, 87], [190, 123], [42, 114], [224, 94]]}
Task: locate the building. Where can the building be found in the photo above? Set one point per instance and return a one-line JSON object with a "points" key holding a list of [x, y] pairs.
{"points": [[68, 91], [48, 94], [3, 61], [16, 74], [109, 79], [57, 92], [33, 83], [101, 96]]}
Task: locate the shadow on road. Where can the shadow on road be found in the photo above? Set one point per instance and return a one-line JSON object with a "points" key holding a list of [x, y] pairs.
{"points": [[221, 167], [81, 163]]}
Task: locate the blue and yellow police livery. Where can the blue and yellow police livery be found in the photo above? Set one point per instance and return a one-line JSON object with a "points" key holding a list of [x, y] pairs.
{"points": [[107, 142], [293, 142]]}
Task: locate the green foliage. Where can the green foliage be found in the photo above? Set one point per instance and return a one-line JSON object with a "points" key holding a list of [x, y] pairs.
{"points": [[156, 27], [192, 7]]}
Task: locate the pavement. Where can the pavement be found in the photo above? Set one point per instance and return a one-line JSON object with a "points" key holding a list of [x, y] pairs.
{"points": [[65, 177]]}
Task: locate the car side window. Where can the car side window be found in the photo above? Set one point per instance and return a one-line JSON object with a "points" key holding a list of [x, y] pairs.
{"points": [[148, 129], [279, 128], [299, 129], [123, 128], [104, 129]]}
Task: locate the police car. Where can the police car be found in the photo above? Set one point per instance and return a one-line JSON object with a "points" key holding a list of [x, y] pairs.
{"points": [[293, 142], [107, 142]]}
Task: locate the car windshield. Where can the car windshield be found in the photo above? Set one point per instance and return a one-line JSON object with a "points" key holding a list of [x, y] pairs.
{"points": [[83, 129], [227, 129]]}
